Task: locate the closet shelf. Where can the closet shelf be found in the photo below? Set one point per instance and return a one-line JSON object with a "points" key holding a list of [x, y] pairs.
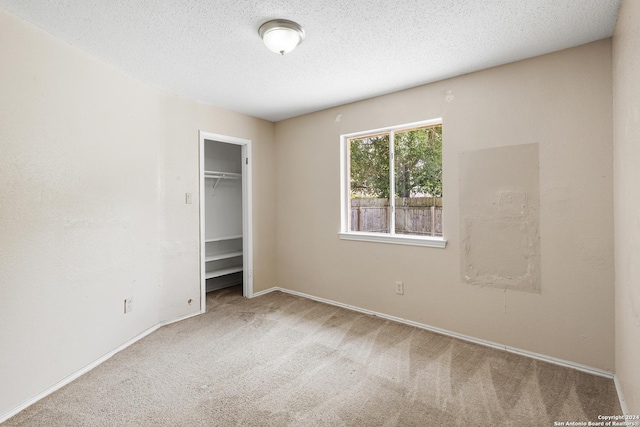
{"points": [[226, 255], [220, 239], [223, 272], [222, 175]]}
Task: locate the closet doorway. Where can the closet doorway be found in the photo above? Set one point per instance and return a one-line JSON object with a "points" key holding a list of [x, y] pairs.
{"points": [[226, 239]]}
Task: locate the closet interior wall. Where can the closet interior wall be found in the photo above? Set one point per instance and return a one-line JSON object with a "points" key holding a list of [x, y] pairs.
{"points": [[223, 214]]}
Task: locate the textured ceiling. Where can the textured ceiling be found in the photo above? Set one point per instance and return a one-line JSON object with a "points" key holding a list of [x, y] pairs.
{"points": [[210, 50]]}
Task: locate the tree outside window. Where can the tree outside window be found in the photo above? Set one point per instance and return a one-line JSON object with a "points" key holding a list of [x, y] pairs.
{"points": [[411, 159]]}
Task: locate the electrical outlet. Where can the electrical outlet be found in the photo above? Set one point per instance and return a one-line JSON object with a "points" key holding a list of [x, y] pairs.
{"points": [[128, 305], [399, 288]]}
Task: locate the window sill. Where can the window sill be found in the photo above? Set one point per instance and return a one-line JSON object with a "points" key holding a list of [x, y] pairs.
{"points": [[398, 239]]}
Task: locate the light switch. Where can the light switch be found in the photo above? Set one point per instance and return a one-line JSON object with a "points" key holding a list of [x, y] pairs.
{"points": [[187, 198]]}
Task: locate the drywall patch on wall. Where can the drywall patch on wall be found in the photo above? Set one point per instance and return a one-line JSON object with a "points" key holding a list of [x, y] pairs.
{"points": [[499, 211]]}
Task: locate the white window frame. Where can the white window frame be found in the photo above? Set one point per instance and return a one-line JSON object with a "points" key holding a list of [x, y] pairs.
{"points": [[345, 204]]}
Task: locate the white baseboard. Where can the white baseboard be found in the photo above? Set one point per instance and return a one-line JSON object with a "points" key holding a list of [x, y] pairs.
{"points": [[486, 343], [266, 291], [623, 404], [90, 366]]}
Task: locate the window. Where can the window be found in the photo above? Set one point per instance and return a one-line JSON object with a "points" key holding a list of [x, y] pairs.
{"points": [[391, 185]]}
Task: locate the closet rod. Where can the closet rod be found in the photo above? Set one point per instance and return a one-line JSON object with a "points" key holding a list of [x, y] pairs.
{"points": [[220, 175]]}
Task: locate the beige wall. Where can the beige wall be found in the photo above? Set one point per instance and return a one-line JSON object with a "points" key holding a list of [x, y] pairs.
{"points": [[94, 167], [560, 101], [626, 133]]}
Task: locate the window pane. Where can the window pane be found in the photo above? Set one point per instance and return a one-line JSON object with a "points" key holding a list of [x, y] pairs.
{"points": [[418, 181], [369, 184]]}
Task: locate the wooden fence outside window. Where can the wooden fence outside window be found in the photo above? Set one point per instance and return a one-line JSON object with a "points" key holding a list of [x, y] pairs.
{"points": [[414, 215]]}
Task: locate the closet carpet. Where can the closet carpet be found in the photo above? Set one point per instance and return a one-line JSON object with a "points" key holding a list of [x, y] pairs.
{"points": [[283, 360]]}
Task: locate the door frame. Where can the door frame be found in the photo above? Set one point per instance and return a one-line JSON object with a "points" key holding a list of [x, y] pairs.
{"points": [[247, 214]]}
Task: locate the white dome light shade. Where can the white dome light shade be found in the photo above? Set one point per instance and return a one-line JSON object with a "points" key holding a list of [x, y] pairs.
{"points": [[281, 36], [281, 40]]}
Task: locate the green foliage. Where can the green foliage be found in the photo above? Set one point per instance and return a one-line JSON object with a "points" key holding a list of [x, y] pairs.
{"points": [[370, 166], [417, 164]]}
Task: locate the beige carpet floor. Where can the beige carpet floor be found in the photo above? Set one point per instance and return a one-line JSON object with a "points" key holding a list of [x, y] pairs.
{"points": [[282, 360]]}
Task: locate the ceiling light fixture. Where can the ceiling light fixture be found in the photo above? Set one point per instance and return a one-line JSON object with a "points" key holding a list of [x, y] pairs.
{"points": [[281, 35]]}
